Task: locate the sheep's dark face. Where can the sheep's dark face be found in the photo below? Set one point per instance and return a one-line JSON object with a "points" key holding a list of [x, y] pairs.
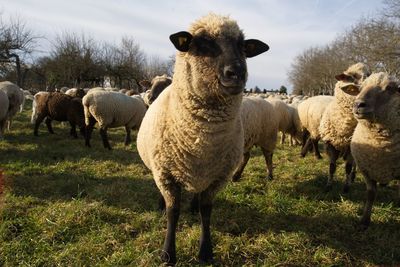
{"points": [[372, 101], [157, 87], [226, 54]]}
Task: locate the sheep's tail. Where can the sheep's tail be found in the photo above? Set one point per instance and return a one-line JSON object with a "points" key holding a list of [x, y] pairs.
{"points": [[34, 111], [86, 110]]}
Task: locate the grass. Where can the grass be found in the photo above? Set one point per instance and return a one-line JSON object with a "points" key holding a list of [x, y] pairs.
{"points": [[67, 205]]}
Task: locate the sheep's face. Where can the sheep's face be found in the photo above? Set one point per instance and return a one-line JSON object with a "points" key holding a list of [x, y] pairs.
{"points": [[222, 54], [157, 86], [373, 97]]}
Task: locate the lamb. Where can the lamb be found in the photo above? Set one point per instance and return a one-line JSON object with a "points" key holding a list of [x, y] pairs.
{"points": [[287, 119], [155, 87], [112, 109], [260, 127], [60, 107], [375, 145], [16, 99], [338, 123], [310, 113], [191, 135], [4, 103]]}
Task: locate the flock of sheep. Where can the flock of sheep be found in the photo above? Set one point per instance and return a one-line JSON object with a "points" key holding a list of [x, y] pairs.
{"points": [[200, 117]]}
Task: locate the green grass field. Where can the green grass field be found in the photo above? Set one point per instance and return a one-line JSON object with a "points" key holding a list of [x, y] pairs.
{"points": [[68, 205]]}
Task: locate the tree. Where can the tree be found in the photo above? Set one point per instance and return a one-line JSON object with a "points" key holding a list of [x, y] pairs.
{"points": [[283, 90], [17, 42]]}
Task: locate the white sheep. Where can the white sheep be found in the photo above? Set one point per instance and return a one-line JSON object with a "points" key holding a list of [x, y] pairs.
{"points": [[154, 88], [260, 128], [338, 123], [376, 140], [310, 113], [287, 118], [112, 109], [192, 135], [75, 92], [16, 99], [4, 102]]}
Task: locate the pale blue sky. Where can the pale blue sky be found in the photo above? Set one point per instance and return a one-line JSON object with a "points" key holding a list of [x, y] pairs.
{"points": [[287, 26]]}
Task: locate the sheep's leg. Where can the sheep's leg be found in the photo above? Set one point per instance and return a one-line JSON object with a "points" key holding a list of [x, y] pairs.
{"points": [[89, 130], [305, 136], [205, 207], [2, 127], [72, 132], [38, 121], [317, 154], [371, 194], [128, 135], [161, 203], [49, 127], [349, 171], [9, 122], [172, 197], [306, 147], [238, 173], [333, 156], [283, 136], [194, 204], [103, 134], [268, 162]]}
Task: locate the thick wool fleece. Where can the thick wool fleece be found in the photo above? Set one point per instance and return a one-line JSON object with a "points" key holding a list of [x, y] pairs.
{"points": [[3, 111], [15, 97], [284, 114], [376, 143], [260, 124], [192, 133], [113, 109], [310, 113]]}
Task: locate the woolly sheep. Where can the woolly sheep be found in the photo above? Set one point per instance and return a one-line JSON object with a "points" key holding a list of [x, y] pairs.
{"points": [[155, 87], [110, 110], [310, 113], [75, 92], [375, 144], [260, 127], [60, 107], [287, 119], [16, 99], [338, 123], [192, 134], [4, 102]]}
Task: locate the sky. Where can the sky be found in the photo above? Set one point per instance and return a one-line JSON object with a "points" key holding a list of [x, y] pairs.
{"points": [[287, 26]]}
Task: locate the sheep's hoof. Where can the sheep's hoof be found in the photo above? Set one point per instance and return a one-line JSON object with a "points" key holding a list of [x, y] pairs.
{"points": [[364, 223], [328, 188], [346, 188], [382, 185], [206, 257], [236, 177], [318, 156], [270, 177], [302, 155], [168, 258]]}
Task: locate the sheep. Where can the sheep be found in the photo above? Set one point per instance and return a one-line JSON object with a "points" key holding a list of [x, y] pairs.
{"points": [[287, 119], [60, 107], [192, 134], [260, 127], [375, 144], [338, 123], [16, 99], [155, 87], [112, 109], [4, 103], [310, 113], [75, 92]]}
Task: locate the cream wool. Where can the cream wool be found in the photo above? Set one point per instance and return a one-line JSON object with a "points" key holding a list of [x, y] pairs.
{"points": [[16, 98], [4, 102]]}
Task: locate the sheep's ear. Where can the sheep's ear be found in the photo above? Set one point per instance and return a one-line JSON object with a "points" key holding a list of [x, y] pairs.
{"points": [[351, 89], [254, 47], [181, 40], [145, 84]]}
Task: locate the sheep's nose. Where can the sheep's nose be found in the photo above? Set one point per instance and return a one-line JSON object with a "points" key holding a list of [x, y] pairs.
{"points": [[234, 71], [359, 104]]}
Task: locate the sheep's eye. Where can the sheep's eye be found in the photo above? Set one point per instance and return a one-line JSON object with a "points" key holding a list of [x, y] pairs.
{"points": [[206, 47]]}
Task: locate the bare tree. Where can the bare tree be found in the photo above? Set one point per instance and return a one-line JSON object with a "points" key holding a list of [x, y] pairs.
{"points": [[392, 9], [17, 41]]}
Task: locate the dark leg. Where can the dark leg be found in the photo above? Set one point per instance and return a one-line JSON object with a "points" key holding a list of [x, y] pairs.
{"points": [[194, 204], [172, 201], [89, 130], [73, 130], [39, 120], [306, 147], [268, 161], [316, 148], [304, 137], [128, 136], [333, 155], [349, 171], [238, 174], [48, 123], [206, 249], [161, 203], [283, 136], [371, 194], [103, 133]]}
